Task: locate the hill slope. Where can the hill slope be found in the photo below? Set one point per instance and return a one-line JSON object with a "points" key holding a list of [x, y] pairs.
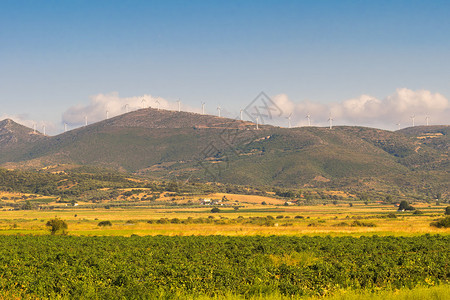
{"points": [[167, 144], [13, 135], [16, 140]]}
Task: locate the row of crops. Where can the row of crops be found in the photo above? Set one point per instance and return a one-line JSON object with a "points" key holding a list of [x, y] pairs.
{"points": [[145, 267]]}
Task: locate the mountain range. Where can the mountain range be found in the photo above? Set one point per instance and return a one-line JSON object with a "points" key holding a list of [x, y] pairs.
{"points": [[172, 145]]}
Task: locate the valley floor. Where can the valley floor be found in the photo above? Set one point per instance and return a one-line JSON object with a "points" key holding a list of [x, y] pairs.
{"points": [[275, 250], [334, 220]]}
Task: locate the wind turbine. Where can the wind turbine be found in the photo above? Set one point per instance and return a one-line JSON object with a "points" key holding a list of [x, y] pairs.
{"points": [[427, 118], [257, 123], [85, 121], [179, 105], [43, 129], [34, 127], [203, 108], [144, 103], [413, 117], [157, 104], [398, 125], [308, 116], [107, 114], [126, 108], [330, 119], [241, 111], [65, 127], [218, 111], [289, 120]]}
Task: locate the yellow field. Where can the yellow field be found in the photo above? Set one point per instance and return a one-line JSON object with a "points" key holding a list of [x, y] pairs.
{"points": [[247, 199], [315, 220]]}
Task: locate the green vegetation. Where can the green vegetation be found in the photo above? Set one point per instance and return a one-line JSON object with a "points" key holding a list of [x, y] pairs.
{"points": [[215, 210], [73, 183], [161, 266], [57, 226], [442, 223], [404, 205], [104, 223]]}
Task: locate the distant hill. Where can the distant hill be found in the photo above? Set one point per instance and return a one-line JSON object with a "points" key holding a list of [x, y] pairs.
{"points": [[16, 140], [13, 134], [179, 145]]}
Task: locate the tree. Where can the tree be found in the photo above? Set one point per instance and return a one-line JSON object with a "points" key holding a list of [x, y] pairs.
{"points": [[215, 210], [57, 226], [27, 205], [447, 210], [404, 205]]}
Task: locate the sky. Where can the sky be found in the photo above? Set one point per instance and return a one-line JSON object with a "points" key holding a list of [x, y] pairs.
{"points": [[366, 63]]}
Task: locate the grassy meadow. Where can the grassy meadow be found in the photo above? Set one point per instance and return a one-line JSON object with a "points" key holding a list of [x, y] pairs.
{"points": [[244, 217]]}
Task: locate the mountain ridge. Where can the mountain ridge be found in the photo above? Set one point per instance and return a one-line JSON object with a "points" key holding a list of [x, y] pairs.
{"points": [[178, 145]]}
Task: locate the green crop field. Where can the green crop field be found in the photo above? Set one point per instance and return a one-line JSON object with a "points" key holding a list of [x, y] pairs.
{"points": [[173, 267]]}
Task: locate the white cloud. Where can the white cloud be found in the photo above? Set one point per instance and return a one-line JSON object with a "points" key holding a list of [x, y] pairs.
{"points": [[115, 105], [366, 110]]}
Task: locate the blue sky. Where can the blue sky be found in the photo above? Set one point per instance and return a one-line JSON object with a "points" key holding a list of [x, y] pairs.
{"points": [[57, 55]]}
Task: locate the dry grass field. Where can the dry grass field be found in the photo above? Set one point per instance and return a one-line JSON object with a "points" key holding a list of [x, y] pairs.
{"points": [[335, 220]]}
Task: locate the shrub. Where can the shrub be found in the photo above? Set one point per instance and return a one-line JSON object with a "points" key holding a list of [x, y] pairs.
{"points": [[357, 223], [442, 223], [418, 212], [104, 223], [162, 221], [215, 210], [57, 226], [392, 215], [341, 224], [447, 210], [404, 205]]}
